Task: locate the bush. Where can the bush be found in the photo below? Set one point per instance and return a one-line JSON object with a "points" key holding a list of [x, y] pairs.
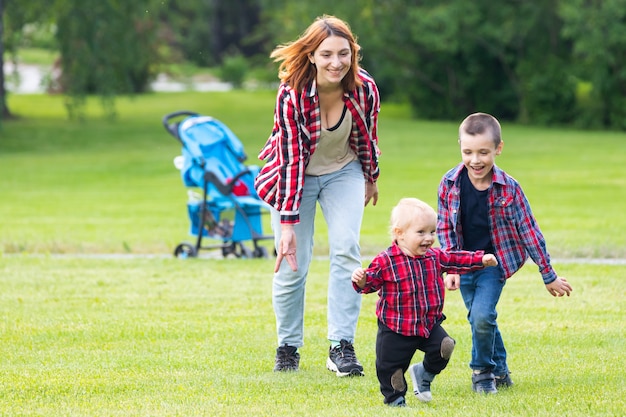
{"points": [[234, 69]]}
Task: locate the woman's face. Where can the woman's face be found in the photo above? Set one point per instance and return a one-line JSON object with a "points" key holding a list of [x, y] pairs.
{"points": [[333, 59]]}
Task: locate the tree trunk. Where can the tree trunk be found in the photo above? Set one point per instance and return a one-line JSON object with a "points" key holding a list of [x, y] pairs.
{"points": [[4, 114]]}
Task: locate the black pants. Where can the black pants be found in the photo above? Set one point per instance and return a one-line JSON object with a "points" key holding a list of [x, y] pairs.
{"points": [[395, 351]]}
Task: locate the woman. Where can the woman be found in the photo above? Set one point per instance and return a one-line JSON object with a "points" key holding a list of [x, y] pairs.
{"points": [[323, 149]]}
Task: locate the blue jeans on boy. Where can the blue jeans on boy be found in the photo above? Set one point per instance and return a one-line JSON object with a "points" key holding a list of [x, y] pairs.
{"points": [[481, 292], [341, 196]]}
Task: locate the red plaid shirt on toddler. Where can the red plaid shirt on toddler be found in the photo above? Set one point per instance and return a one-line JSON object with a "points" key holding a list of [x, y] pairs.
{"points": [[411, 289]]}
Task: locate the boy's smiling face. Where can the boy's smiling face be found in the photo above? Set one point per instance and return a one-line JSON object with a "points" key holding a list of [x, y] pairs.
{"points": [[479, 153]]}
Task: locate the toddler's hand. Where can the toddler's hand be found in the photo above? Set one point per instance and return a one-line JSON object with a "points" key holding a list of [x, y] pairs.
{"points": [[358, 277], [452, 282], [490, 260]]}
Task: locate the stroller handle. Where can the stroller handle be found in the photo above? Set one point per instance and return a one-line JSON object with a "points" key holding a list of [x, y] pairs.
{"points": [[172, 126]]}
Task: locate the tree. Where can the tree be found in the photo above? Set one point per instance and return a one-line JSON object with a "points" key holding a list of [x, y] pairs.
{"points": [[14, 15], [107, 48], [453, 57], [204, 32], [597, 30], [4, 109]]}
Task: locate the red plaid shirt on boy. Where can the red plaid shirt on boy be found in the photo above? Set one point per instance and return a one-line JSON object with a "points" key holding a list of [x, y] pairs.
{"points": [[411, 289], [515, 233], [297, 129]]}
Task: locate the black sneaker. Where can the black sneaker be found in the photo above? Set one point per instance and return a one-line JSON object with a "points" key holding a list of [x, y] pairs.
{"points": [[342, 360], [287, 358], [484, 383], [504, 381]]}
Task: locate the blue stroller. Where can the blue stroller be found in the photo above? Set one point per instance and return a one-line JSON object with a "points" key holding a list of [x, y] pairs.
{"points": [[228, 210]]}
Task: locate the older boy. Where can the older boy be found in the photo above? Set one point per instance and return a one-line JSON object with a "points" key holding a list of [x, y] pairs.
{"points": [[483, 208]]}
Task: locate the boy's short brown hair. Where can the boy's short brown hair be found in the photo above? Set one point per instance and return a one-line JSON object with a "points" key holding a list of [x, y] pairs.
{"points": [[479, 123]]}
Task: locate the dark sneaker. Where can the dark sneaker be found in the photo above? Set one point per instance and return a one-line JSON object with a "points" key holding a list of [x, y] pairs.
{"points": [[398, 402], [421, 382], [484, 383], [287, 359], [504, 381], [342, 360]]}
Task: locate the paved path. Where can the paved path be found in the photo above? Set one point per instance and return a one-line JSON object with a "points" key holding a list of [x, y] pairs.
{"points": [[31, 79], [217, 255]]}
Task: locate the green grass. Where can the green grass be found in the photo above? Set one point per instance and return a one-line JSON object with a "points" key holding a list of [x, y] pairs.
{"points": [[109, 187], [88, 331], [164, 337], [37, 56]]}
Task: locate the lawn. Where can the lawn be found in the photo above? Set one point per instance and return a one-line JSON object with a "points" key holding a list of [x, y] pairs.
{"points": [[165, 337], [110, 187], [98, 319]]}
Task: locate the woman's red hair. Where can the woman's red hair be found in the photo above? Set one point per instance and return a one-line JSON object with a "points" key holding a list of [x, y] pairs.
{"points": [[296, 69]]}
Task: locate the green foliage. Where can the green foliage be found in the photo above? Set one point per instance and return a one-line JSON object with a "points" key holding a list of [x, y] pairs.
{"points": [[106, 48], [521, 61], [234, 69], [450, 58], [471, 56], [39, 35], [598, 33], [205, 32], [550, 95]]}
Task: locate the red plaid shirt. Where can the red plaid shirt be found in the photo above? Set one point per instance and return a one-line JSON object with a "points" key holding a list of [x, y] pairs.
{"points": [[297, 128], [515, 233], [411, 289]]}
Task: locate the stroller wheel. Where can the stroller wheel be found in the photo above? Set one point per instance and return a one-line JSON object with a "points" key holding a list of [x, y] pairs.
{"points": [[245, 252], [260, 252], [229, 249], [185, 250]]}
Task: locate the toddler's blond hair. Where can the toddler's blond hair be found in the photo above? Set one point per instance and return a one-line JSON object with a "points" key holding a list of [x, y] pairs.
{"points": [[406, 211]]}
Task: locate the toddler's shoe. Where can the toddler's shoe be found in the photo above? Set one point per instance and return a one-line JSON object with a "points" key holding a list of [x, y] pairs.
{"points": [[398, 402], [421, 379]]}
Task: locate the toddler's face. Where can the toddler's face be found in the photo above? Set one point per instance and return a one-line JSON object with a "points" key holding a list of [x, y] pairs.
{"points": [[479, 154], [418, 236]]}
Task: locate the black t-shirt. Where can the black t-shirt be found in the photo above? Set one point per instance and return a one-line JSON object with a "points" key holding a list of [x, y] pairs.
{"points": [[474, 216]]}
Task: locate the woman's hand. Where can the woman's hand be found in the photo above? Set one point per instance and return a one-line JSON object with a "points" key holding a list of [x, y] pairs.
{"points": [[286, 247], [371, 193]]}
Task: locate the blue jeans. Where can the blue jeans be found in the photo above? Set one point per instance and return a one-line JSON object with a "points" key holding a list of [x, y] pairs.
{"points": [[481, 291], [341, 196]]}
